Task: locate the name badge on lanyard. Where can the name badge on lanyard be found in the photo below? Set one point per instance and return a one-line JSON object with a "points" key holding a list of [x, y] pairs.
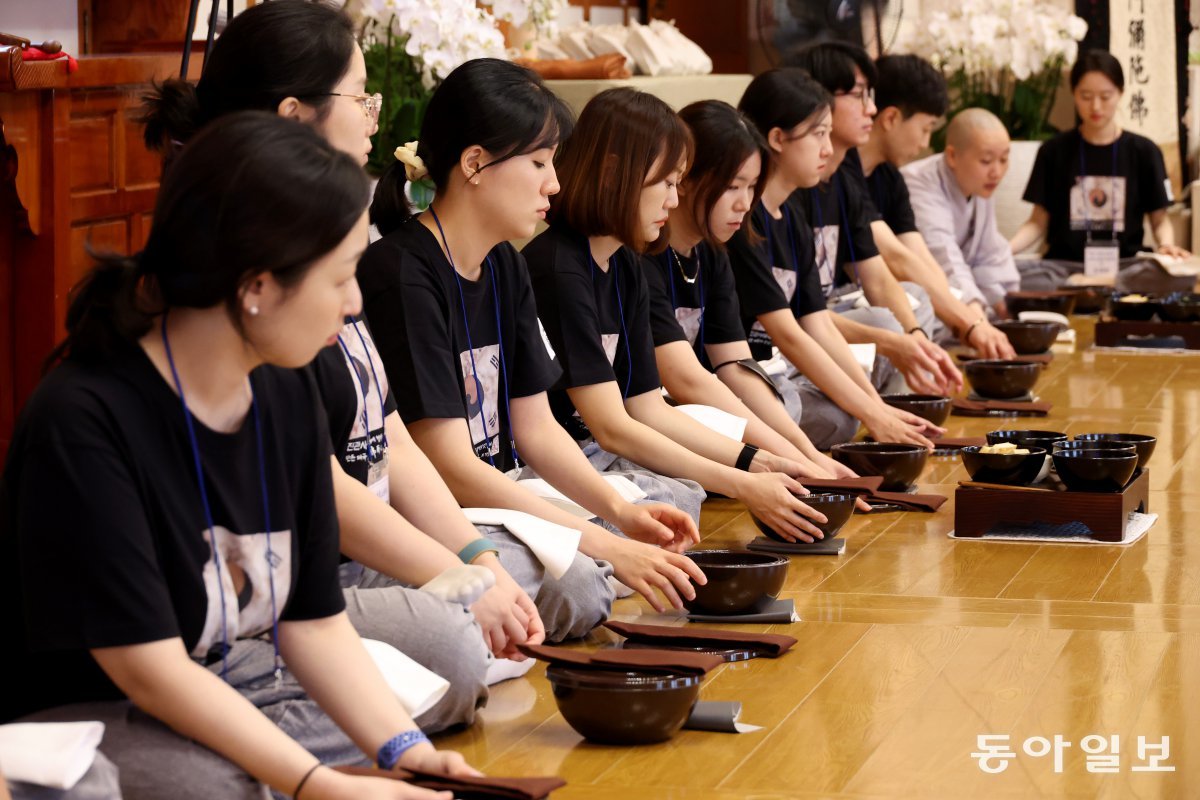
{"points": [[1102, 258], [377, 477]]}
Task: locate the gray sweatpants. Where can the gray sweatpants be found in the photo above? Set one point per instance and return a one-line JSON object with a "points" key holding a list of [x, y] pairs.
{"points": [[155, 763], [1135, 275], [440, 636]]}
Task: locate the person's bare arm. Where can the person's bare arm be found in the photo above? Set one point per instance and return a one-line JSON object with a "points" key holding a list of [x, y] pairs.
{"points": [[1032, 231], [1164, 235]]}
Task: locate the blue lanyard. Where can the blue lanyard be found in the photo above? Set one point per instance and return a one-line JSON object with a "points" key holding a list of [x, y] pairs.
{"points": [[1087, 220], [620, 312], [363, 390], [208, 518], [791, 233], [462, 301], [843, 226], [671, 254]]}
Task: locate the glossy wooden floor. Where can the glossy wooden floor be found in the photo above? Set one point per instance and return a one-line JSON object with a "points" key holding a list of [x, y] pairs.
{"points": [[911, 644]]}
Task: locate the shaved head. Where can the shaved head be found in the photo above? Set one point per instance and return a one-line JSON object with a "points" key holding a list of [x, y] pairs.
{"points": [[972, 123]]}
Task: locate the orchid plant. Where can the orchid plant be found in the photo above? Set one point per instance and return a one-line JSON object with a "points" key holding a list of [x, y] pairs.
{"points": [[1003, 55], [412, 45]]}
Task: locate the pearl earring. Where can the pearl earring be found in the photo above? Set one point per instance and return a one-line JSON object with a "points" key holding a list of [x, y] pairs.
{"points": [[253, 311]]}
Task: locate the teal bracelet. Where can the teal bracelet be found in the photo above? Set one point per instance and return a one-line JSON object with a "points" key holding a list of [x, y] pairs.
{"points": [[475, 549]]}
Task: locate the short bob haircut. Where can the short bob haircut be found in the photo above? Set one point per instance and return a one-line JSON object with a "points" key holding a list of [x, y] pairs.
{"points": [[911, 84], [724, 138], [833, 63], [621, 136], [1100, 61]]}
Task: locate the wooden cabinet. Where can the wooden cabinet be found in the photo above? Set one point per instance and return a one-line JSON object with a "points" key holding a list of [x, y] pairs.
{"points": [[74, 175], [721, 27]]}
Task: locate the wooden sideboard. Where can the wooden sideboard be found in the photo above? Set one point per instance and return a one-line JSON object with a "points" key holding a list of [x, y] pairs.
{"points": [[74, 174]]}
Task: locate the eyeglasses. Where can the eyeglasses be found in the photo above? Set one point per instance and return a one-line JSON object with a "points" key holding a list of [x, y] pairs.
{"points": [[862, 94], [371, 103]]}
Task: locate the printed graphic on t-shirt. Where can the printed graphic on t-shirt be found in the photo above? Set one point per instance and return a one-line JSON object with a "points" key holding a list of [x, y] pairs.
{"points": [[609, 342], [689, 320], [481, 389], [1098, 203], [359, 363], [247, 613], [786, 278], [826, 242]]}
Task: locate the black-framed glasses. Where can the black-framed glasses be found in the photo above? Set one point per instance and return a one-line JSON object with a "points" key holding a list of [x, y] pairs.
{"points": [[862, 94], [371, 103]]}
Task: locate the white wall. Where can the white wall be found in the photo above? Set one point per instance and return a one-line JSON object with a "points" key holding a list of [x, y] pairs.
{"points": [[41, 20]]}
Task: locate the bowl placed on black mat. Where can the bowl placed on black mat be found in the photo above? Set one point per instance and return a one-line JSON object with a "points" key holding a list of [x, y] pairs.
{"points": [[927, 406], [1058, 302], [624, 707], [1180, 307], [898, 464], [1030, 338], [1134, 307], [1095, 470], [1030, 438], [738, 580], [1089, 299], [1002, 380], [1016, 469], [1142, 443], [837, 509]]}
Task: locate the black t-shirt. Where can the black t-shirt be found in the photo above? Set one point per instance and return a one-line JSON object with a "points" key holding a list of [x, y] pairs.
{"points": [[700, 312], [885, 193], [442, 349], [104, 541], [1117, 200], [841, 239], [778, 271], [598, 321], [356, 395]]}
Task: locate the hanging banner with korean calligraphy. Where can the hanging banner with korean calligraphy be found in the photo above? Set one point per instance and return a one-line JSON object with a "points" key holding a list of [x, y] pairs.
{"points": [[1142, 37]]}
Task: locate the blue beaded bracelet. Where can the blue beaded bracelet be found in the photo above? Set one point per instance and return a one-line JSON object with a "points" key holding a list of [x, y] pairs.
{"points": [[475, 549], [389, 754]]}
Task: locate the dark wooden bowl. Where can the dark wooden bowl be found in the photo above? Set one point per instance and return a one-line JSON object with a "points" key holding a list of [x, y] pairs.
{"points": [[1090, 299], [1058, 302], [1134, 312], [1142, 443], [1002, 380], [1180, 307], [1016, 469], [898, 464], [927, 406], [1095, 470], [837, 508], [738, 580], [1028, 438], [1029, 338], [623, 707]]}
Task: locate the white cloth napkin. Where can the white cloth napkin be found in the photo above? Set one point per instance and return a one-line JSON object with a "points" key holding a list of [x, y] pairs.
{"points": [[554, 545], [629, 491], [503, 669], [54, 754], [1044, 316], [717, 420], [419, 689], [1176, 267], [864, 354]]}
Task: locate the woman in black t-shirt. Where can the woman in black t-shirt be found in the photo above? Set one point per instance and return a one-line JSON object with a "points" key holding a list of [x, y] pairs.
{"points": [[619, 171], [169, 531], [301, 60], [694, 314], [783, 304], [1093, 185], [452, 312]]}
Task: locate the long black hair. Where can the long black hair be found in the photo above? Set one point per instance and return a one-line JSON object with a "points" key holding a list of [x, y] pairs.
{"points": [[285, 48], [252, 193], [499, 106], [723, 138]]}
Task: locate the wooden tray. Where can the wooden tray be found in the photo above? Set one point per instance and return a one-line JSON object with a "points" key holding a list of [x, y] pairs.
{"points": [[977, 510], [1115, 333]]}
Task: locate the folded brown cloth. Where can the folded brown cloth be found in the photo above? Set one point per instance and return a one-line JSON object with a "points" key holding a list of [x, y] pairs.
{"points": [[598, 68], [909, 502], [961, 407], [654, 660], [1040, 358], [482, 788], [770, 644], [959, 442], [864, 485]]}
